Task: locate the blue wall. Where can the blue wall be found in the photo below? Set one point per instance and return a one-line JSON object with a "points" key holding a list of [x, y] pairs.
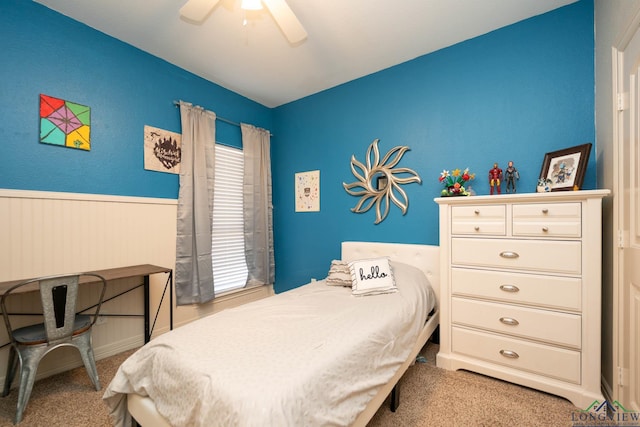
{"points": [[126, 88], [513, 94]]}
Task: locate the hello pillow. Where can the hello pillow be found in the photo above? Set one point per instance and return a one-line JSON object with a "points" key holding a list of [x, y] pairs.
{"points": [[371, 277]]}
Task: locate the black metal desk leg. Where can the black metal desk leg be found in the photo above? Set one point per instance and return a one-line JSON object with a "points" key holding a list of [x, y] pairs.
{"points": [[147, 334], [171, 300]]}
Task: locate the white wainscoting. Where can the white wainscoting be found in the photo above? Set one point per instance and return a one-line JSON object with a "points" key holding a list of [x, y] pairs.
{"points": [[43, 233]]}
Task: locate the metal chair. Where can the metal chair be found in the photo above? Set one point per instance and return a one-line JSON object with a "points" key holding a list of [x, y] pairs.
{"points": [[61, 327]]}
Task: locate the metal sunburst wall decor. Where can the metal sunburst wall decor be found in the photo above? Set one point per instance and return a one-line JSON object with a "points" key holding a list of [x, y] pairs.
{"points": [[379, 183]]}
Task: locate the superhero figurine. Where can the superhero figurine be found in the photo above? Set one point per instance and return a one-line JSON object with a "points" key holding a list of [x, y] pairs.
{"points": [[495, 176], [511, 175]]}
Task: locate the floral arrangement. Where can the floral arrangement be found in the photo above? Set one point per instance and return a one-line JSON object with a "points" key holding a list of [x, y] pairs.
{"points": [[455, 182]]}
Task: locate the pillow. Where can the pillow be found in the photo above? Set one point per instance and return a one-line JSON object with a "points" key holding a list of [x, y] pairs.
{"points": [[372, 277], [406, 276], [339, 274]]}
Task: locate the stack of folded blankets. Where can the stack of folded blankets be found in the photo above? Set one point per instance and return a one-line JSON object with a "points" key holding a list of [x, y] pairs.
{"points": [[339, 274]]}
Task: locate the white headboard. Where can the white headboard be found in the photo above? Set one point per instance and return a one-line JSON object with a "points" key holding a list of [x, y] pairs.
{"points": [[425, 257]]}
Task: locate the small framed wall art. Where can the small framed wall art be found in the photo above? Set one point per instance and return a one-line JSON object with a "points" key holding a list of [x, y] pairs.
{"points": [[162, 150], [308, 191], [64, 123], [564, 170]]}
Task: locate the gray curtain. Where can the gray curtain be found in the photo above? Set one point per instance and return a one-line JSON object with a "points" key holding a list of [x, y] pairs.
{"points": [[194, 272], [258, 209]]}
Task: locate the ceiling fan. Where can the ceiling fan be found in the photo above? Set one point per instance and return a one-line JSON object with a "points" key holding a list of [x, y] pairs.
{"points": [[197, 10]]}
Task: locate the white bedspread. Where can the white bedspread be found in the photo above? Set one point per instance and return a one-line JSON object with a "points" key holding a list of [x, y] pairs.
{"points": [[312, 356]]}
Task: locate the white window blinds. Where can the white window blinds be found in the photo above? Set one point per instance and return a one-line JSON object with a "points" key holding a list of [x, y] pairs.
{"points": [[227, 245]]}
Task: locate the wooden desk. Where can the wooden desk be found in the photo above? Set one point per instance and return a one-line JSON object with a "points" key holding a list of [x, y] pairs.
{"points": [[144, 271]]}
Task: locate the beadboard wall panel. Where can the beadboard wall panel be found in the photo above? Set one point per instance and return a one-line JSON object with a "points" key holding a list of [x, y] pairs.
{"points": [[44, 233], [55, 235]]}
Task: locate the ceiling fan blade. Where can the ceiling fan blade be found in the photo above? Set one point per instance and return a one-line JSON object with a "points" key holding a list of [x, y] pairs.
{"points": [[286, 20], [197, 10]]}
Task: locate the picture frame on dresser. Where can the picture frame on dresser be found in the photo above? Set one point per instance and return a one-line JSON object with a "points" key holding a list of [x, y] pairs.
{"points": [[565, 168]]}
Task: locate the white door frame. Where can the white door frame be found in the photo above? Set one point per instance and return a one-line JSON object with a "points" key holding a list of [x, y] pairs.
{"points": [[620, 102]]}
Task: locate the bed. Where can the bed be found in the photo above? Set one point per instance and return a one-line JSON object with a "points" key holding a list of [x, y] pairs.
{"points": [[309, 356]]}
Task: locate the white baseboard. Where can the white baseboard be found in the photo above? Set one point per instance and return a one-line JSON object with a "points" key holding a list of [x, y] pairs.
{"points": [[69, 358]]}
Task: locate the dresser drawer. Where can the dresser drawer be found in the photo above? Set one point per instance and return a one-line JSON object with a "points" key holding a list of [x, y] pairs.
{"points": [[547, 220], [548, 210], [479, 220], [519, 354], [552, 327], [563, 293], [533, 255]]}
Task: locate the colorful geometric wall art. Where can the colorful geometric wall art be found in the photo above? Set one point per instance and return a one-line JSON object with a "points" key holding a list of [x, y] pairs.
{"points": [[162, 150], [64, 123]]}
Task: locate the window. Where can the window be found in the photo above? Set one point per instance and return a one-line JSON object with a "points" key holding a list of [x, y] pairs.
{"points": [[227, 242]]}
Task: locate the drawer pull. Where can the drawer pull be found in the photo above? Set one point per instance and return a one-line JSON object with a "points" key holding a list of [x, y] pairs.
{"points": [[476, 228], [509, 321], [510, 354], [509, 288], [545, 211], [509, 254], [545, 229], [477, 212]]}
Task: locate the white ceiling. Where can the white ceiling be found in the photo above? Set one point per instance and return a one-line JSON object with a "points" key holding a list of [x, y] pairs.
{"points": [[347, 39]]}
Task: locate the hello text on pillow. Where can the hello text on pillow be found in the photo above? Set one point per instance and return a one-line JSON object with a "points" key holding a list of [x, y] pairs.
{"points": [[372, 276]]}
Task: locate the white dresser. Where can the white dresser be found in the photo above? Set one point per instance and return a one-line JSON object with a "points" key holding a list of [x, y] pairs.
{"points": [[521, 289]]}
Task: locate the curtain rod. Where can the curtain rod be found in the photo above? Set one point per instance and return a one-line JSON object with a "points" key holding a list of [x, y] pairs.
{"points": [[222, 119]]}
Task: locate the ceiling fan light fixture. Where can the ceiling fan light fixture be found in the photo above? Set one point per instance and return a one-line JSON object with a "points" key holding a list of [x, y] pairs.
{"points": [[198, 10], [251, 4]]}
